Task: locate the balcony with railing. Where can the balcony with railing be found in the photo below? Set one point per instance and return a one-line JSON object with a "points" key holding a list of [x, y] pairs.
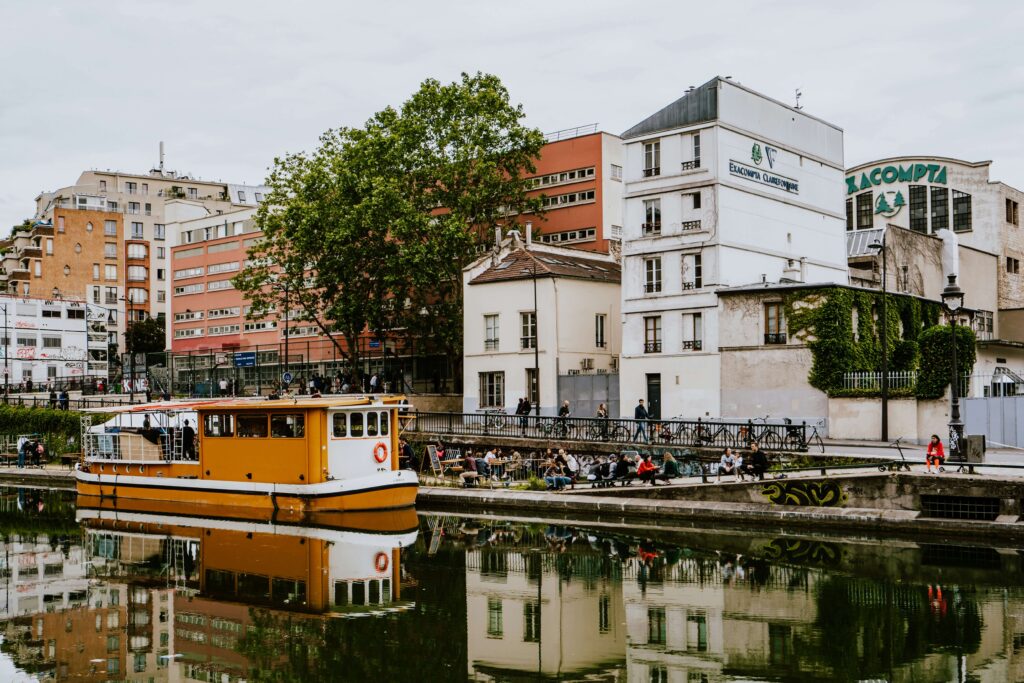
{"points": [[20, 274], [692, 345], [652, 171], [690, 165], [689, 285], [32, 251], [652, 287], [491, 344], [46, 230], [528, 342], [651, 228], [690, 225], [652, 347], [775, 338]]}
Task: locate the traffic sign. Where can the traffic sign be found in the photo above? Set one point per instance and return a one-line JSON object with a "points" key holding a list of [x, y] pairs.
{"points": [[245, 359], [286, 378]]}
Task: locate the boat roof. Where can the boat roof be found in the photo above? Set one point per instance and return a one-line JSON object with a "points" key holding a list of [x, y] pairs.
{"points": [[252, 403]]}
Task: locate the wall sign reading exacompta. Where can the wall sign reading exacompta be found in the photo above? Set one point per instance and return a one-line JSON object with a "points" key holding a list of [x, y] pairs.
{"points": [[763, 177], [932, 173]]}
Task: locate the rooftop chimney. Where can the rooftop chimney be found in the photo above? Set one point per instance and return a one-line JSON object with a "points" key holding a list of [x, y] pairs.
{"points": [[529, 234]]}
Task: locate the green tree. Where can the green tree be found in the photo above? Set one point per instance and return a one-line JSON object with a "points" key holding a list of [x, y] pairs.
{"points": [[146, 336]]}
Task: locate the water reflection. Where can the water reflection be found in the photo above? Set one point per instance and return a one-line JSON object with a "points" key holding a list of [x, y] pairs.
{"points": [[98, 594]]}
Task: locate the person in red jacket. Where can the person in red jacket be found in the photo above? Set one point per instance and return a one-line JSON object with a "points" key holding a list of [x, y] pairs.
{"points": [[935, 455], [647, 470]]}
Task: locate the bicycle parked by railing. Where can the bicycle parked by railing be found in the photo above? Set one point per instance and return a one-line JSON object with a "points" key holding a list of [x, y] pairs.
{"points": [[558, 428], [763, 433], [495, 418], [604, 430], [702, 434], [902, 464]]}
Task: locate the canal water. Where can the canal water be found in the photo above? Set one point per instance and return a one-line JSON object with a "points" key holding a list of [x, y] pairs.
{"points": [[93, 593]]}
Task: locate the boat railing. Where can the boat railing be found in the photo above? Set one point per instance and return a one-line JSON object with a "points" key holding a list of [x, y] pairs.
{"points": [[136, 445]]}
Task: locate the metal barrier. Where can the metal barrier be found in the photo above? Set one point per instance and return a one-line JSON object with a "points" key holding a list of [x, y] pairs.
{"points": [[777, 435]]}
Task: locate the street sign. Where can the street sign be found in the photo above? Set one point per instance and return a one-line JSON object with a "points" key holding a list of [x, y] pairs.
{"points": [[286, 378], [245, 359], [375, 343]]}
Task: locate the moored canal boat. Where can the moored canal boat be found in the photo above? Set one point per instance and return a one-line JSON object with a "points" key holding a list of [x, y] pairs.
{"points": [[296, 455]]}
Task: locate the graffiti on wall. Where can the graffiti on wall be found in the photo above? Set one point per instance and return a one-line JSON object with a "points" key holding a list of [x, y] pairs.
{"points": [[804, 551], [825, 493]]}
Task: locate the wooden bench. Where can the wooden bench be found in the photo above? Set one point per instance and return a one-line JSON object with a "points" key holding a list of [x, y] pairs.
{"points": [[70, 459]]}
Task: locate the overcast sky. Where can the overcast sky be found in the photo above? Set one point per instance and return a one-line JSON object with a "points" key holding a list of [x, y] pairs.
{"points": [[230, 84]]}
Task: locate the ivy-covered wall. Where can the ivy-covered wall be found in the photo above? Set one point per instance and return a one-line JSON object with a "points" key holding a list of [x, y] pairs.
{"points": [[844, 330]]}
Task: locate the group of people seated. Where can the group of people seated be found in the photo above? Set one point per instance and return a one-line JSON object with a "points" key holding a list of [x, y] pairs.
{"points": [[625, 468], [31, 450], [754, 465]]}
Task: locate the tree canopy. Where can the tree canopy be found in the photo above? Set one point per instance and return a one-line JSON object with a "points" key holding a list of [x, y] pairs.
{"points": [[146, 336], [371, 230]]}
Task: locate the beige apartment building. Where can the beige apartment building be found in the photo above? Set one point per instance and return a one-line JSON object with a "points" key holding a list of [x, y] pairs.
{"points": [[103, 239]]}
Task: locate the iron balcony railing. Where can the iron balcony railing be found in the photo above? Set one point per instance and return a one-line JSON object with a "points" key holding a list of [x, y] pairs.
{"points": [[690, 165], [773, 435], [690, 225], [692, 345], [651, 228], [528, 342], [775, 338], [652, 287], [652, 171], [652, 347], [490, 344]]}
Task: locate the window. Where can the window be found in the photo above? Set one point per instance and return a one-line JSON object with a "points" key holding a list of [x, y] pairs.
{"points": [[218, 425], [133, 207], [184, 273], [983, 325], [260, 326], [109, 272], [532, 389], [561, 200], [693, 271], [652, 334], [371, 424], [189, 289], [563, 177], [219, 330], [214, 268], [652, 217], [1012, 265], [288, 426], [60, 223], [26, 341], [95, 271], [130, 188], [696, 150], [491, 340], [340, 425], [135, 273], [580, 235], [940, 208], [219, 285], [1012, 212], [356, 425], [137, 251], [599, 326], [110, 295], [111, 206], [656, 625], [919, 208], [652, 158], [961, 211], [695, 198], [849, 214], [774, 324], [136, 231], [161, 296], [259, 196], [697, 632], [222, 312], [188, 315], [531, 622], [616, 172], [49, 246], [495, 625], [492, 389], [109, 250], [528, 325], [148, 209], [193, 193], [38, 266], [161, 252], [110, 228], [161, 274], [241, 196], [103, 186], [252, 426], [159, 231], [51, 342], [865, 215], [693, 332], [652, 275]]}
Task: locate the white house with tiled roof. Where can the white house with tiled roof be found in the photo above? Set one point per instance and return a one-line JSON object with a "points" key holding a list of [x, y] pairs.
{"points": [[533, 312]]}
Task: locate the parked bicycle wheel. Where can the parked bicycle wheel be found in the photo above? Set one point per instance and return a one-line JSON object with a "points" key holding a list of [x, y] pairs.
{"points": [[771, 441], [618, 433]]}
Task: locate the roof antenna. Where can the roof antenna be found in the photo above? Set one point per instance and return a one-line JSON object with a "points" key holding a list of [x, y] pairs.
{"points": [[161, 157], [798, 94]]}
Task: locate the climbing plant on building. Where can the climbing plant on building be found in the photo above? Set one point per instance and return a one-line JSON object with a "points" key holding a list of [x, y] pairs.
{"points": [[937, 358]]}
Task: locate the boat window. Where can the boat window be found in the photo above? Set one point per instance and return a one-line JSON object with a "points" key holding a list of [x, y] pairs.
{"points": [[252, 426], [340, 425], [219, 425], [288, 426], [356, 428], [384, 424], [371, 424]]}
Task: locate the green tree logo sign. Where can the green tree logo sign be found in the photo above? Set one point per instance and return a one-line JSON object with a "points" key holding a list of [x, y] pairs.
{"points": [[889, 204], [755, 154]]}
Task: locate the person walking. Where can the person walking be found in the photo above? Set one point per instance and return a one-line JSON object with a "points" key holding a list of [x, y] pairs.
{"points": [[563, 419], [602, 415], [934, 455], [523, 410], [641, 415]]}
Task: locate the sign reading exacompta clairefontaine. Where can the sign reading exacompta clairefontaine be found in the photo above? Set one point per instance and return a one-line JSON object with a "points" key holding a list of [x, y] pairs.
{"points": [[763, 177], [911, 173]]}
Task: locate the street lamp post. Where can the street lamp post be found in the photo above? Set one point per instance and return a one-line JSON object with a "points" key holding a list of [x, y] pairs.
{"points": [[7, 341], [131, 350], [953, 300], [884, 337]]}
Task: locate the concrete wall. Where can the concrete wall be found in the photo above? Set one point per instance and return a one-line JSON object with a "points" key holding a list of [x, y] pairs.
{"points": [[909, 419]]}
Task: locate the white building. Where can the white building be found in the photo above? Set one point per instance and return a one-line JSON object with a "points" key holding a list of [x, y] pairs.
{"points": [[724, 187], [532, 313], [46, 340]]}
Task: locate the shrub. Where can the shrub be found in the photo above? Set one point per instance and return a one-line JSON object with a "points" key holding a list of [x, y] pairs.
{"points": [[937, 361]]}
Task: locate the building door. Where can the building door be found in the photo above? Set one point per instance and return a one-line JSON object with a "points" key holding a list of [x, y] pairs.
{"points": [[654, 395]]}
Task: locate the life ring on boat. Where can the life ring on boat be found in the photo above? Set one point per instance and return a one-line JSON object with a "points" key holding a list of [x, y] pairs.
{"points": [[381, 562], [380, 452]]}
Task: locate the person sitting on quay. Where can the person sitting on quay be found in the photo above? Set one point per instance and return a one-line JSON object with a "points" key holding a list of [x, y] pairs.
{"points": [[469, 470], [624, 470], [647, 471], [739, 467], [757, 463], [935, 455], [669, 468], [727, 465], [569, 463], [554, 476]]}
